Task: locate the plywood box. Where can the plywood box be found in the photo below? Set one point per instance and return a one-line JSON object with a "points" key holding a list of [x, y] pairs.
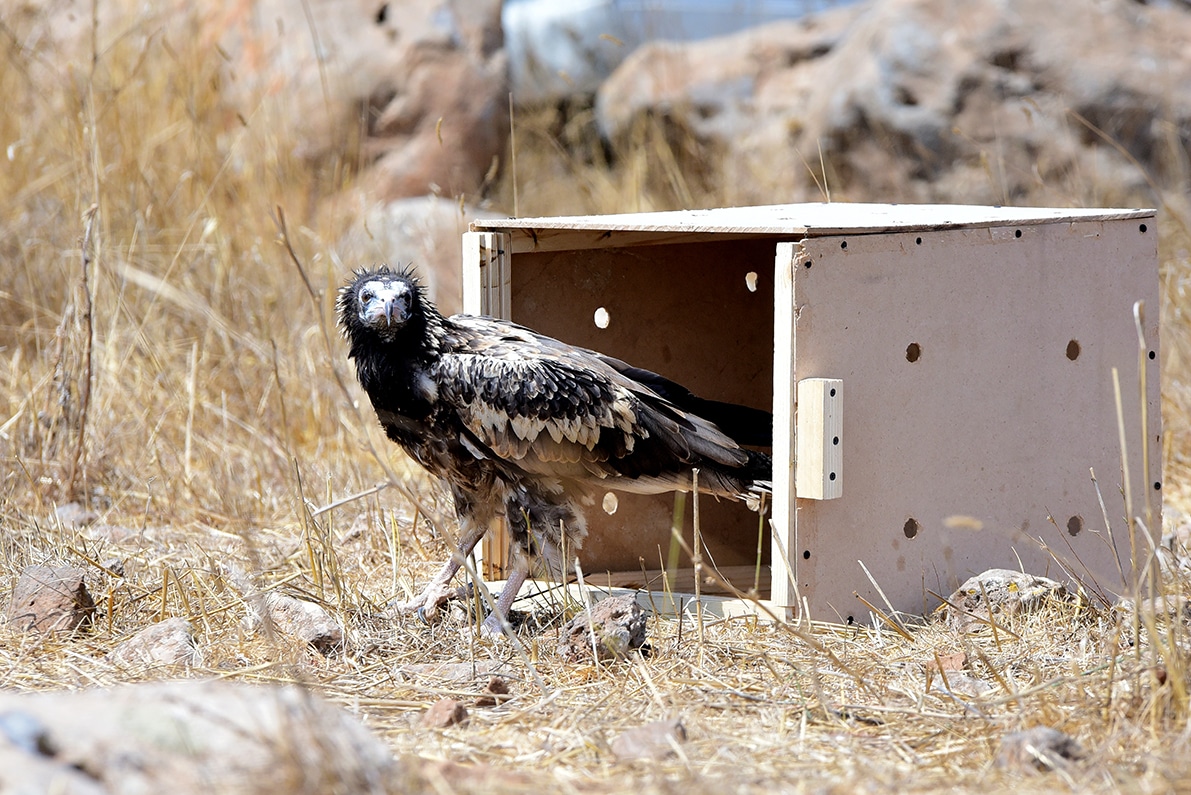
{"points": [[941, 377]]}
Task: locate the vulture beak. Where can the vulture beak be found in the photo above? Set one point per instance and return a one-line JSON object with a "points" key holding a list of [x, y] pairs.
{"points": [[391, 309]]}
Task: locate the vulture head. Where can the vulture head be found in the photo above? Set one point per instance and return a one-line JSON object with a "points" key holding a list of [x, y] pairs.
{"points": [[381, 303]]}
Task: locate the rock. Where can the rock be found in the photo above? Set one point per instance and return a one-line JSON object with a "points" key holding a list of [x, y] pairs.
{"points": [[496, 692], [711, 84], [305, 621], [425, 231], [557, 50], [169, 642], [653, 741], [1038, 749], [443, 713], [1008, 593], [956, 661], [960, 684], [51, 599], [297, 618], [72, 514], [116, 534], [417, 90], [458, 673], [924, 100], [619, 628], [188, 736]]}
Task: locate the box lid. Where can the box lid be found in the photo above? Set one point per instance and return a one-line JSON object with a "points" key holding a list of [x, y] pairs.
{"points": [[801, 220]]}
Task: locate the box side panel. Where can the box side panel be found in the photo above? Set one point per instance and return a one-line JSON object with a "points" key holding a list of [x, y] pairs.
{"points": [[685, 311], [979, 372]]}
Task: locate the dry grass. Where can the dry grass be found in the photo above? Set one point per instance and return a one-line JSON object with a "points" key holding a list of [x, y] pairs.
{"points": [[164, 363]]}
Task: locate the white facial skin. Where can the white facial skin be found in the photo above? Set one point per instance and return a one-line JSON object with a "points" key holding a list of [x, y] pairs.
{"points": [[384, 304]]}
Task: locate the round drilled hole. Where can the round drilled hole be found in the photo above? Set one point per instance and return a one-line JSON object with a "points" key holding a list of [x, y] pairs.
{"points": [[835, 440], [843, 244], [806, 554], [911, 527], [918, 241], [831, 476], [1153, 355], [1017, 233], [750, 281], [1074, 525], [611, 503], [1142, 228], [1157, 485], [602, 318], [913, 352], [1073, 350]]}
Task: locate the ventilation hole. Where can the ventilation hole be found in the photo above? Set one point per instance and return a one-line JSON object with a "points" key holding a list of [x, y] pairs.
{"points": [[807, 264], [1074, 525], [918, 241], [913, 352], [1073, 350], [1153, 355], [806, 554], [1157, 485], [611, 503], [1142, 228], [831, 476], [602, 318], [835, 440], [832, 393], [843, 244], [750, 281], [911, 527], [1017, 233]]}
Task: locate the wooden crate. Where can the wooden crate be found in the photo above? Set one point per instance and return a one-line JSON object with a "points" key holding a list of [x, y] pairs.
{"points": [[956, 362]]}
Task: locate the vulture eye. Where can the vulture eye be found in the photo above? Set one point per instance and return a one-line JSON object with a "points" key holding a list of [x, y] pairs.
{"points": [[366, 296]]}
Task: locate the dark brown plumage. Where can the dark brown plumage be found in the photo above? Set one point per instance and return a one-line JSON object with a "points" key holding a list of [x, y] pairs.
{"points": [[528, 428]]}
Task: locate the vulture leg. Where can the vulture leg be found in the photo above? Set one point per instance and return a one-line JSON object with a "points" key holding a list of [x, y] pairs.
{"points": [[437, 591], [517, 577]]}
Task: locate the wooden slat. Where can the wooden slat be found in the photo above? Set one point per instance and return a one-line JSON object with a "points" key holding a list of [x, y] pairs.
{"points": [[811, 220], [785, 536], [486, 279], [682, 580], [818, 461]]}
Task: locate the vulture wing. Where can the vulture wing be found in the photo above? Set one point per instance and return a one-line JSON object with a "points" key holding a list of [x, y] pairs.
{"points": [[563, 412]]}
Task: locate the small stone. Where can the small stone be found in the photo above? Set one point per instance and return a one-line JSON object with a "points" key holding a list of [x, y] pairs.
{"points": [[169, 642], [306, 621], [443, 713], [1039, 749], [619, 628], [495, 693], [51, 599], [958, 684], [947, 662], [73, 514], [653, 741], [998, 592], [456, 672], [115, 534]]}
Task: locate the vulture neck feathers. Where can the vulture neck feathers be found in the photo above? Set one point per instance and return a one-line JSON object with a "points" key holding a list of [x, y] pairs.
{"points": [[392, 359]]}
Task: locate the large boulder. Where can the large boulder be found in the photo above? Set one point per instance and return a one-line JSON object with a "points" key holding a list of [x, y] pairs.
{"points": [[417, 87], [425, 232], [984, 101], [185, 737]]}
